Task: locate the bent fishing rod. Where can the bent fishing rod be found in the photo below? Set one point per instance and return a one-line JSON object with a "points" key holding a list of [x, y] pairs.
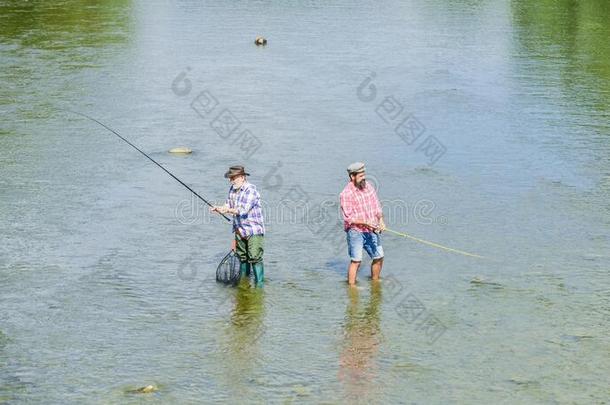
{"points": [[149, 158]]}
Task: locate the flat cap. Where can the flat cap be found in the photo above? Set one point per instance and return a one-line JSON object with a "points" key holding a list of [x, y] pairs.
{"points": [[357, 167]]}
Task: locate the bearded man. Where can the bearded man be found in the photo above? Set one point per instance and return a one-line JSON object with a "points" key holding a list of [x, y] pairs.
{"points": [[244, 204], [362, 222]]}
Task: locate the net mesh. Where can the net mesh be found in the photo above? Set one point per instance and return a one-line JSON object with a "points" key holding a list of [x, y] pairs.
{"points": [[228, 269]]}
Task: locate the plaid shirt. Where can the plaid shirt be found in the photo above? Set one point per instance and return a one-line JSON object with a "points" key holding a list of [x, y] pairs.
{"points": [[247, 200], [360, 205]]}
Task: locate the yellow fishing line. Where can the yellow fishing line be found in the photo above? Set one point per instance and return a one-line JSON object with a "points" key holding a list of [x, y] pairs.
{"points": [[434, 244]]}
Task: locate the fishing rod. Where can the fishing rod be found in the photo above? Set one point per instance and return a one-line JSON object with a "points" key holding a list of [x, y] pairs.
{"points": [[149, 158], [427, 242]]}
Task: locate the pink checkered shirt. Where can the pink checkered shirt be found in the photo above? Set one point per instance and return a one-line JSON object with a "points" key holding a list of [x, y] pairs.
{"points": [[361, 205]]}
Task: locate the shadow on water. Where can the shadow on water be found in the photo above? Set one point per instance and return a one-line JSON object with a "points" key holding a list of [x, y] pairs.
{"points": [[65, 24], [565, 59], [42, 44], [574, 32], [338, 266], [362, 338]]}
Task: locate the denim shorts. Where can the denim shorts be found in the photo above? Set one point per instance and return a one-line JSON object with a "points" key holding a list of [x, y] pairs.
{"points": [[370, 241]]}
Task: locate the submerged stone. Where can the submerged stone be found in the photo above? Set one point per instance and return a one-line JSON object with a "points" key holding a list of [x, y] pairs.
{"points": [[181, 149], [144, 390], [482, 281]]}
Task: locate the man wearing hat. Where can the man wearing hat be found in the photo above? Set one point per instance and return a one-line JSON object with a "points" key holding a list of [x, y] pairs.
{"points": [[362, 221], [244, 205]]}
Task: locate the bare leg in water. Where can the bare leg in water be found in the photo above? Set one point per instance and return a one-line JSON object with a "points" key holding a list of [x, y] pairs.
{"points": [[352, 270], [376, 266]]}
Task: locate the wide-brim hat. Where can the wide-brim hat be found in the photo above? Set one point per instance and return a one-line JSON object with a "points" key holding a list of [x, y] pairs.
{"points": [[357, 167], [236, 171]]}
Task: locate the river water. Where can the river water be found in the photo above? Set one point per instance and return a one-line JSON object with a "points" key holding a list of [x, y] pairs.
{"points": [[484, 126]]}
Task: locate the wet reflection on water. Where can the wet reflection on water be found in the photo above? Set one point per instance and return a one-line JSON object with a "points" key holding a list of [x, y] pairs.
{"points": [[243, 335], [362, 337]]}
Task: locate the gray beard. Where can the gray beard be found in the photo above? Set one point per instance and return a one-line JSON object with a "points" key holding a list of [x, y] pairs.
{"points": [[361, 185]]}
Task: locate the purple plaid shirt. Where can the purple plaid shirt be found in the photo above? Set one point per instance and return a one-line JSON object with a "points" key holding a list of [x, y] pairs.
{"points": [[247, 200]]}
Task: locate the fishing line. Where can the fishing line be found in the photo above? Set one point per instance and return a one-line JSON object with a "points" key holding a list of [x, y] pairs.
{"points": [[427, 242], [149, 158]]}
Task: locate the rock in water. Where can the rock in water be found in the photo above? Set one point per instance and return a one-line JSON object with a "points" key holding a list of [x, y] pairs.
{"points": [[260, 41], [144, 390], [182, 149]]}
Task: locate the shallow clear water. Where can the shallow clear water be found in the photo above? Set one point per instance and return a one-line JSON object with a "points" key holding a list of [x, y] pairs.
{"points": [[107, 264]]}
